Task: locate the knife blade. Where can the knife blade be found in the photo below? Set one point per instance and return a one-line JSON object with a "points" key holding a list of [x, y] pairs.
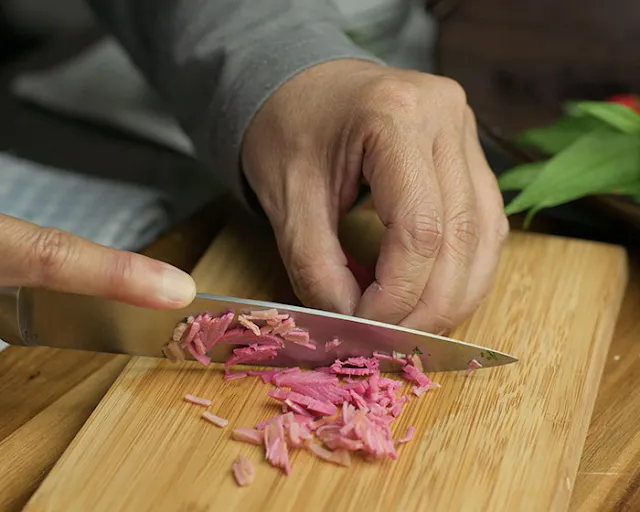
{"points": [[70, 321]]}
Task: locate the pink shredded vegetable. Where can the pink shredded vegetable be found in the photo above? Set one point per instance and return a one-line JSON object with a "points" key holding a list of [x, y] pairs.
{"points": [[408, 437], [473, 365], [275, 444], [248, 435], [197, 400], [333, 412], [330, 345], [356, 366], [243, 471], [216, 420]]}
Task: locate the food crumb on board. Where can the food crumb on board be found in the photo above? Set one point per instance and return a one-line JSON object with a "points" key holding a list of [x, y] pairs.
{"points": [[205, 402], [616, 357], [216, 420], [243, 471]]}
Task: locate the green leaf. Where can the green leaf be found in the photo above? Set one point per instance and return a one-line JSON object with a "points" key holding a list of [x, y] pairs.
{"points": [[618, 116], [597, 162], [631, 189], [554, 138], [520, 177]]}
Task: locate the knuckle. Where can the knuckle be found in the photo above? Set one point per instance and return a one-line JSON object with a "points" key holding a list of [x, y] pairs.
{"points": [[453, 93], [306, 280], [465, 230], [422, 234], [393, 94], [444, 321], [51, 250], [403, 297]]}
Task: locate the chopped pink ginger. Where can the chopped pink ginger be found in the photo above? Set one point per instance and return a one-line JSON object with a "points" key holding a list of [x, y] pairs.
{"points": [[197, 400], [216, 420], [310, 399], [311, 404], [214, 328], [356, 366], [198, 345], [340, 457], [411, 373], [190, 334], [243, 471], [396, 357], [246, 337], [297, 335], [420, 390], [275, 445], [409, 435], [298, 409], [265, 314], [251, 354], [417, 362], [248, 435], [473, 365], [173, 352], [236, 375], [266, 375], [205, 360], [330, 345], [245, 322], [179, 331], [284, 327]]}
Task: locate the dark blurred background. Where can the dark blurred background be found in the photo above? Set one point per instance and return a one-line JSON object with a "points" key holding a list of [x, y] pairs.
{"points": [[519, 61]]}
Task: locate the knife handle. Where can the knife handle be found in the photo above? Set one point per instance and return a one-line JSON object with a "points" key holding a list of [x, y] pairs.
{"points": [[9, 316]]}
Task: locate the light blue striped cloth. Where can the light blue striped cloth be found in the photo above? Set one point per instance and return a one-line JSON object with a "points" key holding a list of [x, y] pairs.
{"points": [[115, 214]]}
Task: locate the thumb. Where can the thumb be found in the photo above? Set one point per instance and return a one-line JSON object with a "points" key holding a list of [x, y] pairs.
{"points": [[42, 257], [315, 262]]}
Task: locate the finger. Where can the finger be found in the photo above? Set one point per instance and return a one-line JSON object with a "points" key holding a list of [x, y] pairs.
{"points": [[312, 253], [42, 257], [406, 196], [492, 222], [438, 309]]}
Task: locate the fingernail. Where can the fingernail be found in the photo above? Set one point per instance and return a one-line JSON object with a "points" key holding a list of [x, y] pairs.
{"points": [[177, 286]]}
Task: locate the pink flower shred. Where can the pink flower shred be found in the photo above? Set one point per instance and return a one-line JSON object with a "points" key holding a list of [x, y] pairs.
{"points": [[216, 420], [473, 365], [333, 412], [409, 435], [243, 471], [197, 400], [248, 435], [330, 345]]}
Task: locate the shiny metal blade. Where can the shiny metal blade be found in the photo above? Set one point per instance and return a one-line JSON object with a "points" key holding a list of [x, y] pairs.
{"points": [[71, 321]]}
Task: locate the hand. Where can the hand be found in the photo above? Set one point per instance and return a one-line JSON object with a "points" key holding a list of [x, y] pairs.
{"points": [[40, 257], [413, 138]]}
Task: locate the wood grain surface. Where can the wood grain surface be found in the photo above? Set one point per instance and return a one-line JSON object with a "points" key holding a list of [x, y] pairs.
{"points": [[46, 394], [609, 472], [503, 439]]}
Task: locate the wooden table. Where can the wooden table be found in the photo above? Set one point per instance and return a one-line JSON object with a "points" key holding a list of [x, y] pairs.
{"points": [[46, 395]]}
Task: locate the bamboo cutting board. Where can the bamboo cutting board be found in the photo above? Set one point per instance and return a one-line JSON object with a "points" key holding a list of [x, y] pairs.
{"points": [[501, 439]]}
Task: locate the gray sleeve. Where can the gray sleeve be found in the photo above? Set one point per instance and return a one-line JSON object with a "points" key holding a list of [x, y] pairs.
{"points": [[215, 62]]}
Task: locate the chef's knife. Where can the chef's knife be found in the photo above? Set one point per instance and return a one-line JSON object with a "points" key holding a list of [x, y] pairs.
{"points": [[54, 319]]}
